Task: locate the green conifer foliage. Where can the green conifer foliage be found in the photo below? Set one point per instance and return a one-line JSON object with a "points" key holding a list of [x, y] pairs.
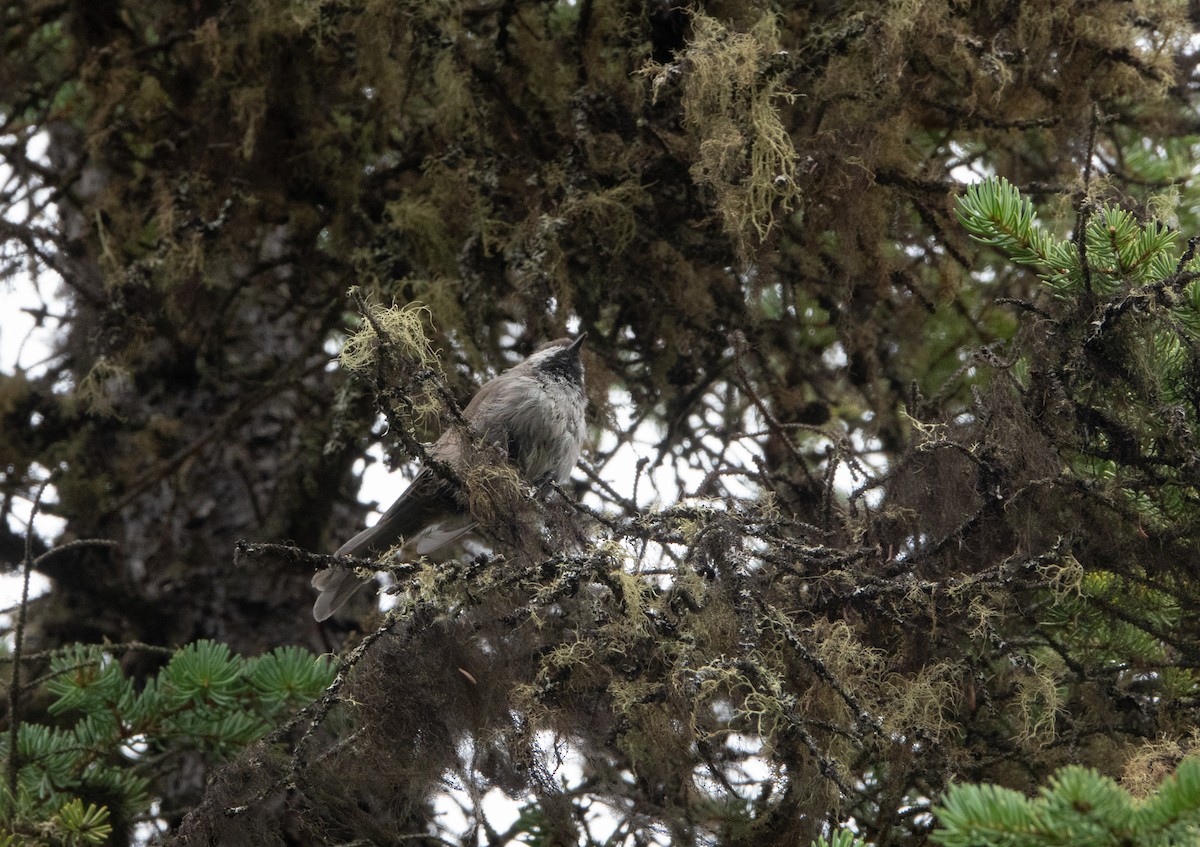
{"points": [[893, 372]]}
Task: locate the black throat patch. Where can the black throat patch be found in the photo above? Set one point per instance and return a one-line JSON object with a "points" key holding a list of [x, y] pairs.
{"points": [[565, 366]]}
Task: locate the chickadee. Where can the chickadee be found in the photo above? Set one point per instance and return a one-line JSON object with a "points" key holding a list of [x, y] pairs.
{"points": [[534, 411]]}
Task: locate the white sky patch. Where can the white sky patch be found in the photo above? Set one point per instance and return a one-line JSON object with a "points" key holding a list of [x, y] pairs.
{"points": [[456, 811], [146, 832], [965, 167], [835, 356], [27, 331], [48, 527], [869, 454]]}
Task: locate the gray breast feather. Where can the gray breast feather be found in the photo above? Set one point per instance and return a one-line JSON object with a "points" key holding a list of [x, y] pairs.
{"points": [[543, 418]]}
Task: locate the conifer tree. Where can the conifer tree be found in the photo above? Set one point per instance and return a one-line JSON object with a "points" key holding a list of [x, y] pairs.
{"points": [[887, 530]]}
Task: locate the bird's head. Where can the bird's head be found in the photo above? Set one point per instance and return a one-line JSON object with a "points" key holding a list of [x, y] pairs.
{"points": [[560, 359]]}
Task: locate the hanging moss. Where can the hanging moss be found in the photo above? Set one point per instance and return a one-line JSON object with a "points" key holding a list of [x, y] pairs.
{"points": [[868, 506]]}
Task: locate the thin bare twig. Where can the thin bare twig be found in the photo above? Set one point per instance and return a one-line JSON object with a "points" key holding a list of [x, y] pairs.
{"points": [[1084, 212], [14, 680]]}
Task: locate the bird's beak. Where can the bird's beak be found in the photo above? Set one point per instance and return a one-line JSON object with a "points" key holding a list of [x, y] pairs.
{"points": [[574, 345]]}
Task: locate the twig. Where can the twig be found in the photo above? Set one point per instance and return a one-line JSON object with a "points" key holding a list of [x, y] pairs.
{"points": [[14, 680], [1187, 256], [300, 556], [1084, 213], [738, 340]]}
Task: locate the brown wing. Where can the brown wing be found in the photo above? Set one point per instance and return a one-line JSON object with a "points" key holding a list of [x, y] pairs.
{"points": [[428, 498], [425, 500], [485, 423]]}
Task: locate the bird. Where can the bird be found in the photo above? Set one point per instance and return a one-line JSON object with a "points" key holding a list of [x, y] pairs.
{"points": [[534, 412]]}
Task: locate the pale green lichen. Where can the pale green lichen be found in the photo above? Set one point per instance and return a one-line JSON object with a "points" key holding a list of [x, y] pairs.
{"points": [[731, 100]]}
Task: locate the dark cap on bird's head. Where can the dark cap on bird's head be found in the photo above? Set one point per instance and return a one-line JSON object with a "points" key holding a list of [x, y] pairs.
{"points": [[560, 358]]}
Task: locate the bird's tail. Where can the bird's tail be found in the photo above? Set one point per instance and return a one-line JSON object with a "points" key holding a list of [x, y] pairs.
{"points": [[337, 585]]}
